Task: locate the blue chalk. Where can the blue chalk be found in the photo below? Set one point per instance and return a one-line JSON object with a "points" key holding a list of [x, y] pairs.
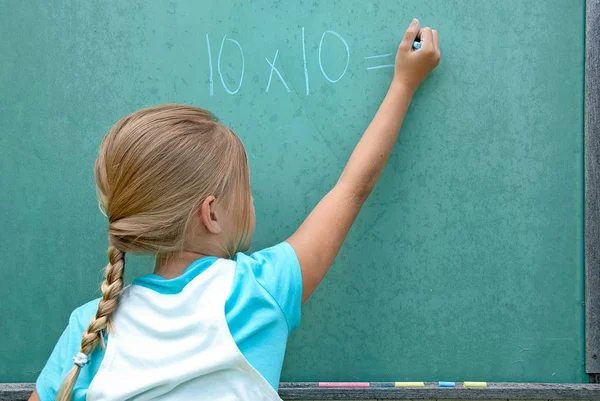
{"points": [[417, 46], [447, 384]]}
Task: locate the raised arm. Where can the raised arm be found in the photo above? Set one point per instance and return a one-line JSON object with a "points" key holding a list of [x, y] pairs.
{"points": [[319, 239]]}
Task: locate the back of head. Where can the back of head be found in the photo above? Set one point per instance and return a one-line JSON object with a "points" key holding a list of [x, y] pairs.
{"points": [[157, 165], [154, 169]]}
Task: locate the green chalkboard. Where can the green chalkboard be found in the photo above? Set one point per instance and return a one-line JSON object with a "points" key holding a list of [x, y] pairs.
{"points": [[465, 264]]}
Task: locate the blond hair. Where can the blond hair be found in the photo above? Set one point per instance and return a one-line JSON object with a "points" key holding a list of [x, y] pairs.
{"points": [[154, 169]]}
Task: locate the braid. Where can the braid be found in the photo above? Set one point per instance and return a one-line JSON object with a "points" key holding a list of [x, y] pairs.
{"points": [[111, 290]]}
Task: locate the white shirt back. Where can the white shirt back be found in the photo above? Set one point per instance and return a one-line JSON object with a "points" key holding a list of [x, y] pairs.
{"points": [[178, 347]]}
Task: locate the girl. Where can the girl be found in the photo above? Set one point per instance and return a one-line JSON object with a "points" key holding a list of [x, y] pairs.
{"points": [[211, 323]]}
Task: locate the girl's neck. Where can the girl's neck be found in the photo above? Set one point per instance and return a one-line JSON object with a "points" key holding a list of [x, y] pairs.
{"points": [[173, 265]]}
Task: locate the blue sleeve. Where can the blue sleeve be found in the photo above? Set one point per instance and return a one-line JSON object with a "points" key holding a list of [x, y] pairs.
{"points": [[61, 359], [278, 271], [50, 380]]}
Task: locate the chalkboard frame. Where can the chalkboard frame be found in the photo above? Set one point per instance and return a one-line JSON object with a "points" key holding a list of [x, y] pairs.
{"points": [[592, 190], [310, 391], [498, 391]]}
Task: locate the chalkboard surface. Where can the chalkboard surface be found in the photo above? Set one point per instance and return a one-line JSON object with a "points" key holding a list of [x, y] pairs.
{"points": [[465, 264]]}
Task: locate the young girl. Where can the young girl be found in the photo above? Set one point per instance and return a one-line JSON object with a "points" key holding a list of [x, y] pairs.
{"points": [[211, 323]]}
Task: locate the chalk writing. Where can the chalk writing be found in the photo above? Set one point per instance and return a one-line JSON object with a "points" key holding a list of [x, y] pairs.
{"points": [[377, 57], [347, 55], [219, 65], [211, 86], [304, 59], [274, 69]]}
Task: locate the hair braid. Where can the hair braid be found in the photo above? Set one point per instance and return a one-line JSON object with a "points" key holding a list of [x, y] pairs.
{"points": [[111, 290]]}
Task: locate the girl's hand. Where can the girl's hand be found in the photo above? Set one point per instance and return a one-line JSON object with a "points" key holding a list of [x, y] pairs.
{"points": [[413, 66]]}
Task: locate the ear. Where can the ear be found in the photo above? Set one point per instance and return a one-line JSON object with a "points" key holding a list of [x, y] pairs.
{"points": [[208, 215]]}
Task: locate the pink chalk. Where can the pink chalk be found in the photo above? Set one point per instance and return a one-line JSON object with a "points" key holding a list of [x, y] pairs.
{"points": [[344, 384]]}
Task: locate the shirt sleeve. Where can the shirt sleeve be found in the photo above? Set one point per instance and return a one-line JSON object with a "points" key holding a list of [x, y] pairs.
{"points": [[277, 270]]}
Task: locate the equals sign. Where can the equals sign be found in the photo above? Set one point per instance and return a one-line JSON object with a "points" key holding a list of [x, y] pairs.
{"points": [[416, 46], [378, 57]]}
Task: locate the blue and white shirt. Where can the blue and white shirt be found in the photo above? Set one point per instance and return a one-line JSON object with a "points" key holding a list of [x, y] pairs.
{"points": [[260, 310]]}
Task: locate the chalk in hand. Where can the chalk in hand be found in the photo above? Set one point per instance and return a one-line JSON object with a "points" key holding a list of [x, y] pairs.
{"points": [[416, 45]]}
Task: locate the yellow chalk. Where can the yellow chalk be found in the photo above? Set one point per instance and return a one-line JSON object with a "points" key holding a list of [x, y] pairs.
{"points": [[475, 384], [409, 384]]}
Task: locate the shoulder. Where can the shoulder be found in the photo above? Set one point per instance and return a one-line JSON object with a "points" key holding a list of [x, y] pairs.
{"points": [[276, 271], [280, 256], [81, 316]]}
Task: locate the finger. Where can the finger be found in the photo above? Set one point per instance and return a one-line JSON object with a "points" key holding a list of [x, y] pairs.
{"points": [[436, 40], [427, 39], [410, 35]]}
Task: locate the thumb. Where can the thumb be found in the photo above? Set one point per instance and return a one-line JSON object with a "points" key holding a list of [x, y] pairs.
{"points": [[410, 35]]}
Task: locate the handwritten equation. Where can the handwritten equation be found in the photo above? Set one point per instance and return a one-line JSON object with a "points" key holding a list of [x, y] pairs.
{"points": [[274, 70]]}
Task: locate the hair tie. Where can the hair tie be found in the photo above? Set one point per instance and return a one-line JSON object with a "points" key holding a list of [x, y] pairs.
{"points": [[81, 359]]}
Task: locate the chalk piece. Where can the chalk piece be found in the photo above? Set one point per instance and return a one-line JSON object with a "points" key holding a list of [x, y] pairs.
{"points": [[344, 384], [409, 384], [416, 45], [447, 384], [475, 384]]}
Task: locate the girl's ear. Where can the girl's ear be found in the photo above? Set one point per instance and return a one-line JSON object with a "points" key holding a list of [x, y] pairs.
{"points": [[208, 215]]}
